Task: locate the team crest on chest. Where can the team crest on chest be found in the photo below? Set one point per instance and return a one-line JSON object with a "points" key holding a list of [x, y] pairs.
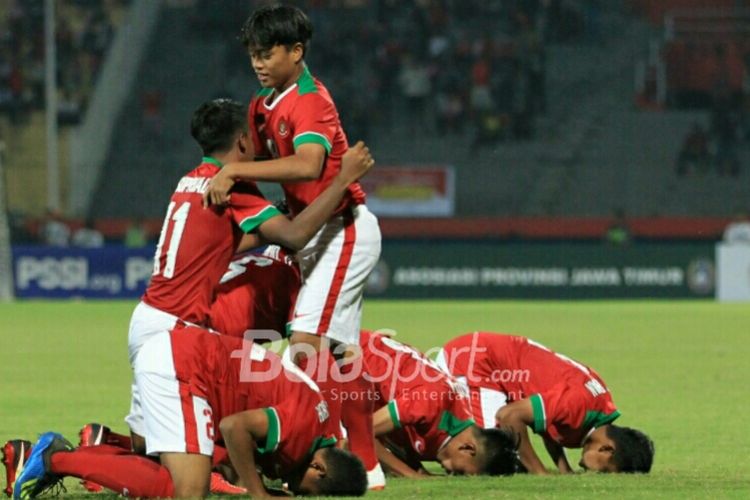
{"points": [[283, 128]]}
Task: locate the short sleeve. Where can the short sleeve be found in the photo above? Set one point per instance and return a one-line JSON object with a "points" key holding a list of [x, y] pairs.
{"points": [[315, 121], [412, 408], [296, 425], [249, 208], [561, 407]]}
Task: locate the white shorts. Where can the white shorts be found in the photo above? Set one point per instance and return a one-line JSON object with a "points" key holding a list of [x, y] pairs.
{"points": [[145, 322], [174, 420], [484, 402], [335, 265]]}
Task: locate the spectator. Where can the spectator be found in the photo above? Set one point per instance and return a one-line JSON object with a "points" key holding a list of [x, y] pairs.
{"points": [[415, 86], [738, 231], [54, 230], [694, 153], [136, 235], [88, 236], [151, 114], [618, 233]]}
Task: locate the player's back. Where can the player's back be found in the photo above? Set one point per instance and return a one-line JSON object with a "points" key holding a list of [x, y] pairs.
{"points": [[513, 364], [394, 366], [257, 292], [194, 248], [304, 113]]}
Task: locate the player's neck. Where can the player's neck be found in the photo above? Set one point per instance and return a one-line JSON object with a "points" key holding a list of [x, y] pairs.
{"points": [[221, 159], [292, 79]]}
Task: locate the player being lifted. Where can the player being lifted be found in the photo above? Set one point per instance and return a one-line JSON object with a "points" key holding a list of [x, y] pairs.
{"points": [[296, 129], [196, 244], [515, 382]]}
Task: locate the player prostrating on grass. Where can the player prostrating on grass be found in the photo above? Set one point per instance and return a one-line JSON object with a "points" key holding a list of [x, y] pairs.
{"points": [[298, 134], [515, 382], [196, 388], [422, 416], [196, 243]]}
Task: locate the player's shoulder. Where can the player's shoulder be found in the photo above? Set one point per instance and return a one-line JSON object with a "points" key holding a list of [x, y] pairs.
{"points": [[312, 92]]}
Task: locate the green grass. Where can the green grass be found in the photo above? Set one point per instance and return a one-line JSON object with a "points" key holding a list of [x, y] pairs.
{"points": [[677, 370]]}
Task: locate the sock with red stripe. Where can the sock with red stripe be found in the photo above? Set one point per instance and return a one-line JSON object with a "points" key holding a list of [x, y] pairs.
{"points": [[220, 456], [326, 375], [116, 469], [356, 415]]}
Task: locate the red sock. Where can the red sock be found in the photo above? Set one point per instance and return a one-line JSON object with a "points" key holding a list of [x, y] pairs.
{"points": [[327, 377], [356, 415], [221, 455], [114, 468], [119, 440]]}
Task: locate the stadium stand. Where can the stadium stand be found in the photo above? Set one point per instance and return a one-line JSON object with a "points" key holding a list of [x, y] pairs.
{"points": [[532, 102], [84, 31]]}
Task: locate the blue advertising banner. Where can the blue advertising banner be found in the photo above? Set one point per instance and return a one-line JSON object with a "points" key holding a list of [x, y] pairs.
{"points": [[419, 269], [110, 272]]}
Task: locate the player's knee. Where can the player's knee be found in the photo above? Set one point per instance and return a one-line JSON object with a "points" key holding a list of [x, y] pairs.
{"points": [[190, 473], [190, 489]]}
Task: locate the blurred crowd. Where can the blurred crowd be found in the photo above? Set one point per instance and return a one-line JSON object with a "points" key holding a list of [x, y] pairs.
{"points": [[84, 31], [432, 66]]}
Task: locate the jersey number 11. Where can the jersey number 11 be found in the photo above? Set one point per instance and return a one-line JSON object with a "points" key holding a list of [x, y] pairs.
{"points": [[180, 218]]}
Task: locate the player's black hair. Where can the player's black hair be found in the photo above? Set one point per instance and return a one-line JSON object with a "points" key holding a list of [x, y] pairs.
{"points": [[634, 450], [276, 25], [345, 474], [499, 454], [215, 125]]}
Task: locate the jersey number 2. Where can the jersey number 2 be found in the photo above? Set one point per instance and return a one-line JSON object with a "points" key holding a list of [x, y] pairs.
{"points": [[180, 218]]}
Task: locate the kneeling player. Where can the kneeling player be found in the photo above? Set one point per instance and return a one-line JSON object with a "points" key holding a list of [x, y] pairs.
{"points": [[421, 416], [258, 292], [271, 417], [515, 382]]}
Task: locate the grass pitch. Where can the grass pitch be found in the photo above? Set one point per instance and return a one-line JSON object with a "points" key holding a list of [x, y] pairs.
{"points": [[677, 370]]}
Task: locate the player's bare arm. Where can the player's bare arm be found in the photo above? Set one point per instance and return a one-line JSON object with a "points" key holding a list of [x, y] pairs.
{"points": [[248, 242], [241, 432], [557, 454], [518, 416], [305, 165], [382, 424], [295, 234]]}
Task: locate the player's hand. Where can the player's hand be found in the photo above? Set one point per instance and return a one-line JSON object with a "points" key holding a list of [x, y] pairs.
{"points": [[217, 191], [356, 162]]}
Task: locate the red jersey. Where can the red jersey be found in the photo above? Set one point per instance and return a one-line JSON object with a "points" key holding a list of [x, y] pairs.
{"points": [[425, 405], [302, 114], [196, 244], [257, 292], [568, 398], [235, 376]]}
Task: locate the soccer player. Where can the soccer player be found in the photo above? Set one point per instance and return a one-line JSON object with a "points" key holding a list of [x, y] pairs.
{"points": [[422, 416], [196, 244], [517, 383], [257, 292], [197, 388], [296, 128]]}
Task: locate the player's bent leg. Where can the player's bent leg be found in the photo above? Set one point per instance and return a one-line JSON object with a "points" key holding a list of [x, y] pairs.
{"points": [[116, 469], [191, 473]]}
